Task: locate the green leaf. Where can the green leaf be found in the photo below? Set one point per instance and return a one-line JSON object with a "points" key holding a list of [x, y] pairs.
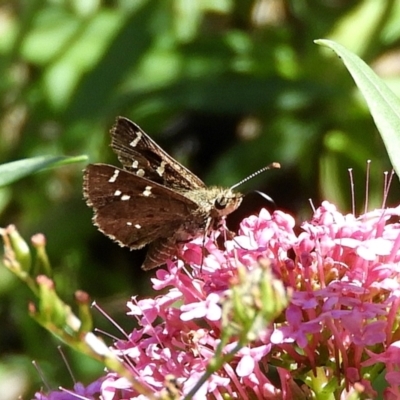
{"points": [[16, 170], [382, 102]]}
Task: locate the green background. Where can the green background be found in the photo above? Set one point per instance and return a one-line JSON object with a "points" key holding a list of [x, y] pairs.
{"points": [[224, 86]]}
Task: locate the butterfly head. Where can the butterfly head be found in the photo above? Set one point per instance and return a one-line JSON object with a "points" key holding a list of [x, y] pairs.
{"points": [[226, 202]]}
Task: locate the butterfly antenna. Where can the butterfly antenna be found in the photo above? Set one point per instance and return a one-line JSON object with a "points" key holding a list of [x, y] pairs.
{"points": [[270, 166]]}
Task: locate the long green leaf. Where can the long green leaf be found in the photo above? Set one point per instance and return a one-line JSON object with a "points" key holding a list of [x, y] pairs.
{"points": [[382, 102], [16, 170]]}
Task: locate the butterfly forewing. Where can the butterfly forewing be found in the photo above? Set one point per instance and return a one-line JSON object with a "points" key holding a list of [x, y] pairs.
{"points": [[132, 210], [139, 154]]}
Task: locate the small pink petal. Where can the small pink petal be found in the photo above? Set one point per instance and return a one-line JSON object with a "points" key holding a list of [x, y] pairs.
{"points": [[245, 366]]}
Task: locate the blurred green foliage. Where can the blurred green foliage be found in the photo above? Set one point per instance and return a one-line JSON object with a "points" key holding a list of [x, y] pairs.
{"points": [[225, 86]]}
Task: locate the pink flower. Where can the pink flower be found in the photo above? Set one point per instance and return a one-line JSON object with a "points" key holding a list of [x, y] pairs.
{"points": [[343, 273], [89, 392], [209, 309]]}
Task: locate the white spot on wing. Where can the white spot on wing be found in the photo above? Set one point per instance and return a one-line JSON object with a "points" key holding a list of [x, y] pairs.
{"points": [[114, 177], [117, 193], [137, 226], [147, 191], [140, 172], [160, 170], [136, 140], [129, 223], [125, 197], [135, 164]]}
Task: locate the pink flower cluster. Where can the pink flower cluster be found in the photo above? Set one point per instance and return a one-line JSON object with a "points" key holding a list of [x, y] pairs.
{"points": [[339, 332]]}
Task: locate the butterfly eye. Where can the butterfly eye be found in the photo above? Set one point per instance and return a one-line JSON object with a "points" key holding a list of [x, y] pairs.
{"points": [[220, 203]]}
